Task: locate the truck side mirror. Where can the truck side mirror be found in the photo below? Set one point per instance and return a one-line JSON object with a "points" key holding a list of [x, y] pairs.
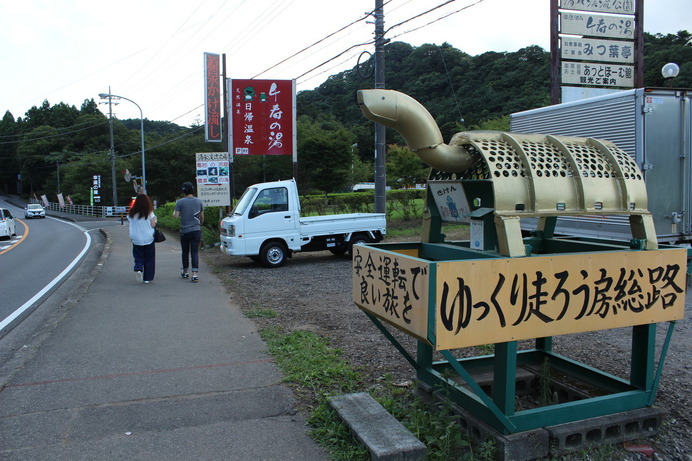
{"points": [[254, 212]]}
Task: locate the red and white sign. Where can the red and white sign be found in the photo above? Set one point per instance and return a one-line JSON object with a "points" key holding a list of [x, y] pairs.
{"points": [[262, 117], [212, 98]]}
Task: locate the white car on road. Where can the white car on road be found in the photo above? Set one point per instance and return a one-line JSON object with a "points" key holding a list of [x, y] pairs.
{"points": [[34, 210], [7, 228]]}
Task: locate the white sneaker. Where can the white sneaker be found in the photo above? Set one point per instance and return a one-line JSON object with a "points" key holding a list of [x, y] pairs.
{"points": [[138, 276]]}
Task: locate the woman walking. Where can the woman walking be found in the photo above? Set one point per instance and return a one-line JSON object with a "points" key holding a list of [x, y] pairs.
{"points": [[142, 222]]}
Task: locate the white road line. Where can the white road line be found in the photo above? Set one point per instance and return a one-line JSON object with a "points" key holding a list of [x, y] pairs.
{"points": [[54, 282]]}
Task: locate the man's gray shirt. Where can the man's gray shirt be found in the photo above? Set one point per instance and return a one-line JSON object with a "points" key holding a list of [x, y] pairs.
{"points": [[190, 209]]}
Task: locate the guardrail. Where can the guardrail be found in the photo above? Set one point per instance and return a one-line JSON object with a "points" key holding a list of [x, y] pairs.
{"points": [[87, 210]]}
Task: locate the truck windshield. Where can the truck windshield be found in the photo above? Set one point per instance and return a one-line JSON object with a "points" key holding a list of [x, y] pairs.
{"points": [[245, 200]]}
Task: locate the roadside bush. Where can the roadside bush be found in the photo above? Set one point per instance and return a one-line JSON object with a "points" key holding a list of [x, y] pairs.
{"points": [[406, 203]]}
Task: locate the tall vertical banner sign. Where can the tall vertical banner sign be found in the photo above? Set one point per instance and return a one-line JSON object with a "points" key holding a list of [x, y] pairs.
{"points": [[213, 178], [262, 117], [212, 98]]}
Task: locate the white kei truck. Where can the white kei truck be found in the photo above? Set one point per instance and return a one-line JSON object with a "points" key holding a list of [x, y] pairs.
{"points": [[266, 226]]}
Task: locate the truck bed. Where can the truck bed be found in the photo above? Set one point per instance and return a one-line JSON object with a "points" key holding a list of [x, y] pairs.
{"points": [[342, 224]]}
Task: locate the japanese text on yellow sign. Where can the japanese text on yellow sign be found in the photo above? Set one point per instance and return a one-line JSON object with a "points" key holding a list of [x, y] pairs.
{"points": [[499, 300]]}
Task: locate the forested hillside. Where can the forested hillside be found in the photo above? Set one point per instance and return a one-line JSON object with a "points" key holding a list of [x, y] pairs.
{"points": [[59, 147]]}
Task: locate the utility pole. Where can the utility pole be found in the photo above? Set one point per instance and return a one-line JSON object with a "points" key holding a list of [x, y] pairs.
{"points": [[555, 71], [112, 155], [380, 146]]}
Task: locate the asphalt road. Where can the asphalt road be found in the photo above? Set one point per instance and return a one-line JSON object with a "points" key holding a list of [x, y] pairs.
{"points": [[36, 261]]}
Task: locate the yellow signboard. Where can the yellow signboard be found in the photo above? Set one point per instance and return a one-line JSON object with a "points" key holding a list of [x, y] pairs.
{"points": [[489, 301], [393, 287]]}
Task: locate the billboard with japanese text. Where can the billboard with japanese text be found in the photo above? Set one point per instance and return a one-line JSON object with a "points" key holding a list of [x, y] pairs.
{"points": [[262, 117], [463, 303], [597, 25], [212, 98], [590, 49], [598, 74], [602, 6], [597, 44], [213, 178]]}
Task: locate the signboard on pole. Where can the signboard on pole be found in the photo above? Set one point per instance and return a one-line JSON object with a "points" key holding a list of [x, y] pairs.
{"points": [[212, 98], [595, 44], [597, 25], [95, 187], [614, 7], [213, 179], [578, 48], [262, 117], [597, 74]]}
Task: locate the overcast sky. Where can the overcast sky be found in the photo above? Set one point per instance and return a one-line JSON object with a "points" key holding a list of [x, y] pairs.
{"points": [[151, 51]]}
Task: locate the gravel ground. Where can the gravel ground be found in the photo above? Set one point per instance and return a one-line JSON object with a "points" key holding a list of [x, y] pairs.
{"points": [[312, 291]]}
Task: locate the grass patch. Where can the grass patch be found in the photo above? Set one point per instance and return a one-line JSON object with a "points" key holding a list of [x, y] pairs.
{"points": [[408, 229], [317, 371], [308, 361]]}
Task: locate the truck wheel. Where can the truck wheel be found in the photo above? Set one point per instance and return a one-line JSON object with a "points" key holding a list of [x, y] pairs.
{"points": [[338, 250], [273, 254], [355, 240]]}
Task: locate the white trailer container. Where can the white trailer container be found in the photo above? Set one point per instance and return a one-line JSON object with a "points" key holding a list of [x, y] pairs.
{"points": [[653, 125], [266, 226]]}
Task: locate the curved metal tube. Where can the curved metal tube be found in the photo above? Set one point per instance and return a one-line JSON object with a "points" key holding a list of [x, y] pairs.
{"points": [[413, 121]]}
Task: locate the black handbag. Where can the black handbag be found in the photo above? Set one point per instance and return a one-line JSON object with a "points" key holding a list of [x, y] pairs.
{"points": [[158, 235]]}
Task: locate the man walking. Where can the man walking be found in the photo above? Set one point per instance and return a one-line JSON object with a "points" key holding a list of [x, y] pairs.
{"points": [[190, 211]]}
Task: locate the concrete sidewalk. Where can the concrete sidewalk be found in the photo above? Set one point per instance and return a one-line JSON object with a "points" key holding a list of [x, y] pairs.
{"points": [[165, 371]]}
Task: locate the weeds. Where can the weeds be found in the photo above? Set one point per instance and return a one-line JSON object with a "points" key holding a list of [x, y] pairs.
{"points": [[546, 395], [318, 371]]}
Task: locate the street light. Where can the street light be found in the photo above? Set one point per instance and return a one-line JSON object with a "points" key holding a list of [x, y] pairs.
{"points": [[141, 118], [669, 72]]}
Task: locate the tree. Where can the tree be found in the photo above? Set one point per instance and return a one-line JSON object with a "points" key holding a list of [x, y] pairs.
{"points": [[324, 150], [9, 135], [33, 154], [404, 168], [660, 49]]}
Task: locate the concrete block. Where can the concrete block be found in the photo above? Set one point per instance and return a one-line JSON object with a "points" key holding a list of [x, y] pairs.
{"points": [[380, 432], [557, 440], [520, 446], [609, 429]]}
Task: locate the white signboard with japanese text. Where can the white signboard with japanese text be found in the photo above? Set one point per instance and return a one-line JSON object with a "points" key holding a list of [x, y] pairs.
{"points": [[213, 178], [597, 74], [450, 200], [602, 6], [597, 25], [590, 49]]}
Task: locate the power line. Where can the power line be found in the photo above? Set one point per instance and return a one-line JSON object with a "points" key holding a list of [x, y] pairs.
{"points": [[420, 14], [435, 20], [150, 148], [314, 44]]}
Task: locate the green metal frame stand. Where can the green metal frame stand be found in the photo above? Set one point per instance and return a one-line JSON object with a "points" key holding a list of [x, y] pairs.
{"points": [[497, 408]]}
